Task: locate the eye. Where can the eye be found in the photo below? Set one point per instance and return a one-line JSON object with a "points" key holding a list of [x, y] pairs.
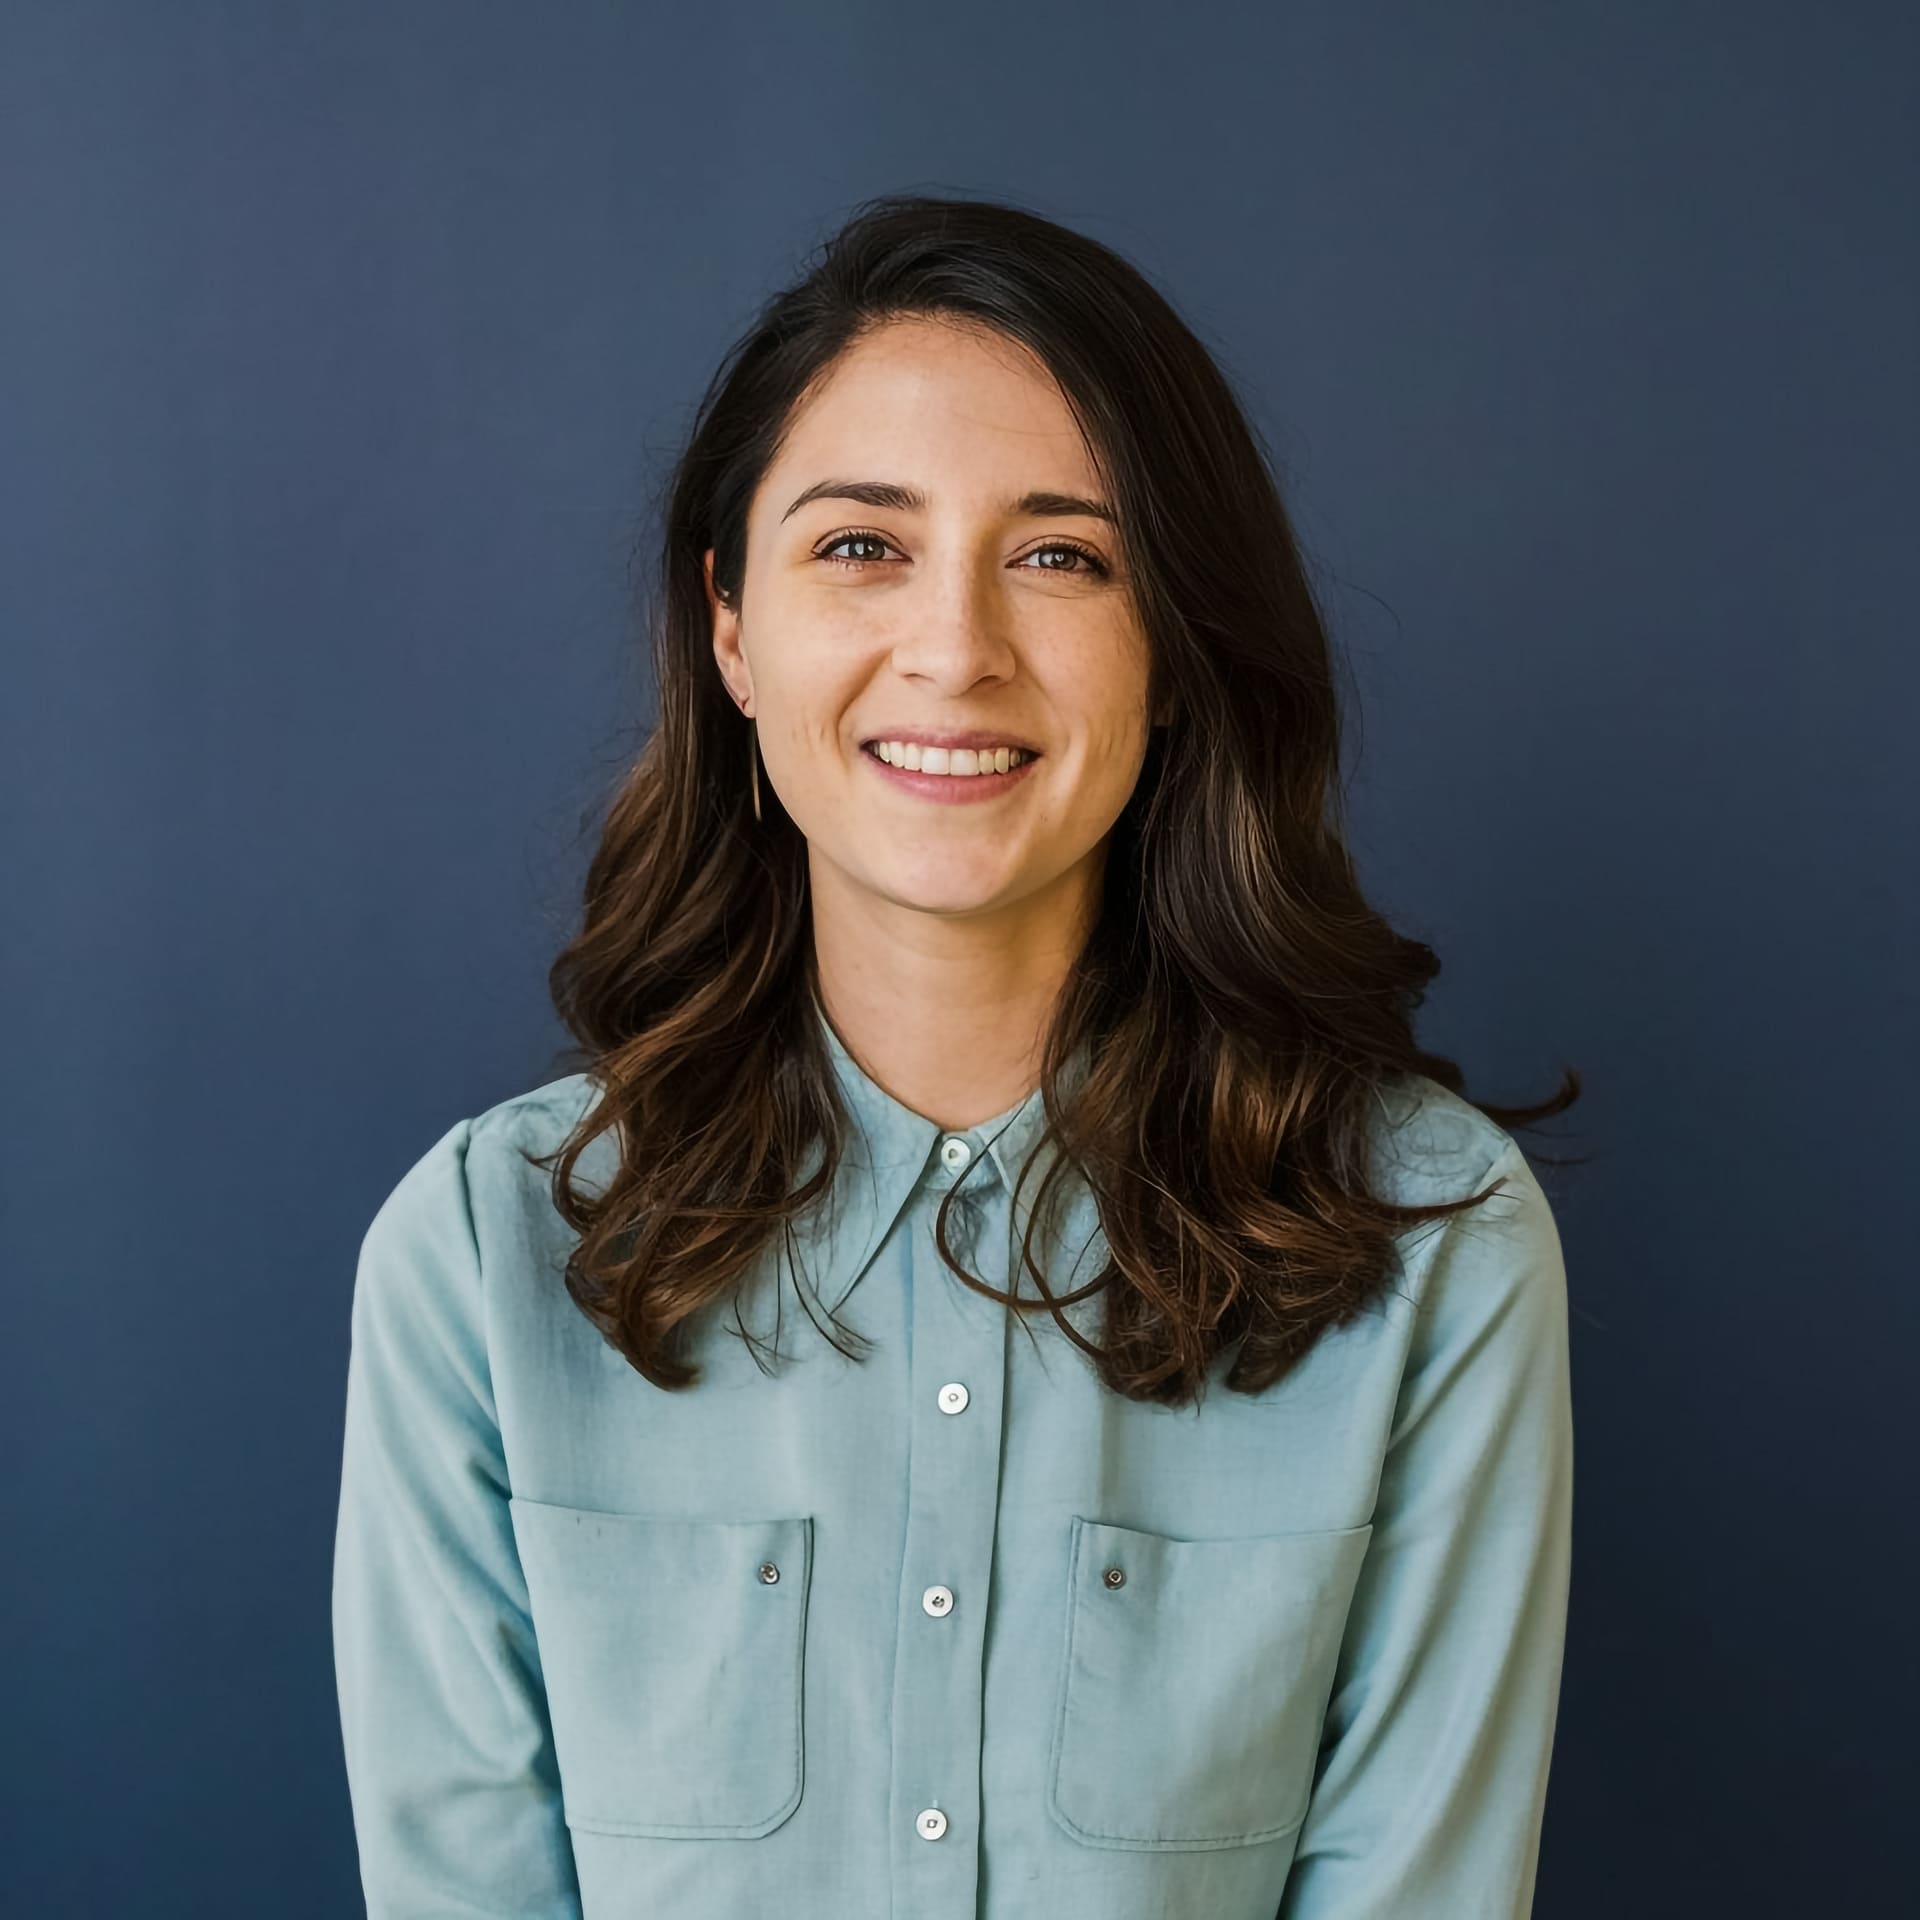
{"points": [[1095, 567], [855, 538]]}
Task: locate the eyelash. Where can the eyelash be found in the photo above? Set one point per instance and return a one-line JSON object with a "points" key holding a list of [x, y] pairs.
{"points": [[1100, 569]]}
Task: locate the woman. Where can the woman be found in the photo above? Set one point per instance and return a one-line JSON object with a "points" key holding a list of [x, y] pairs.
{"points": [[1166, 1507]]}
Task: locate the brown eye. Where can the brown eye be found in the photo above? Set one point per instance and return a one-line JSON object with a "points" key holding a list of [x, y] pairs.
{"points": [[1095, 565], [856, 538]]}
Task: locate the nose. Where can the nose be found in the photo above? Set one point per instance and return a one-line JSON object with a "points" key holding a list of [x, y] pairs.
{"points": [[955, 634]]}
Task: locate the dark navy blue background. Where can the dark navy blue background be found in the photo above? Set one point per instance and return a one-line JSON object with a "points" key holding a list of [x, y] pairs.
{"points": [[339, 350]]}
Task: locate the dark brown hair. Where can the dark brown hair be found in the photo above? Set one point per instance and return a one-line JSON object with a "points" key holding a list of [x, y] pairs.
{"points": [[1241, 1002]]}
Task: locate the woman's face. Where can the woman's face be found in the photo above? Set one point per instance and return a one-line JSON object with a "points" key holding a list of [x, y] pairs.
{"points": [[973, 587]]}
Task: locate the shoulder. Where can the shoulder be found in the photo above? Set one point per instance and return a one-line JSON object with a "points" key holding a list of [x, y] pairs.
{"points": [[510, 1168], [475, 1182], [533, 1123], [1427, 1143], [474, 1155], [1492, 1276]]}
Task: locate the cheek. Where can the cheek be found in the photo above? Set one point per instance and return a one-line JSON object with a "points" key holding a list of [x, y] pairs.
{"points": [[1111, 749], [805, 685], [1113, 732], [1107, 783], [1099, 686], [806, 724]]}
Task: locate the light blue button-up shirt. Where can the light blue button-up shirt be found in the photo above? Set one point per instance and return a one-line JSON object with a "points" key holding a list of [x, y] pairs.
{"points": [[951, 1630]]}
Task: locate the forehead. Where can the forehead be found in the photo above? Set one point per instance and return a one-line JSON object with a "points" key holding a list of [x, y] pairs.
{"points": [[944, 408]]}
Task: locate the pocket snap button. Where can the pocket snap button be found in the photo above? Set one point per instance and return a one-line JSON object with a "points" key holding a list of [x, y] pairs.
{"points": [[1114, 1577], [769, 1573]]}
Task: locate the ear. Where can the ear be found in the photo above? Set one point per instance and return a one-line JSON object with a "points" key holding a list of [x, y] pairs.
{"points": [[728, 651]]}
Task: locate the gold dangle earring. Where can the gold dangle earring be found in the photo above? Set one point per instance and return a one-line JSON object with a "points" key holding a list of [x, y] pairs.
{"points": [[753, 760]]}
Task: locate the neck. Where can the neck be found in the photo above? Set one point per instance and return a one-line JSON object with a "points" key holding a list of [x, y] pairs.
{"points": [[948, 1012]]}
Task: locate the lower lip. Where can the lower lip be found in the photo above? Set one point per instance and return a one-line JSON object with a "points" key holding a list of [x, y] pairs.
{"points": [[954, 789]]}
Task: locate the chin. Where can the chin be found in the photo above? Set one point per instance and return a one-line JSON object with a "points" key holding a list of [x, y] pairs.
{"points": [[949, 899]]}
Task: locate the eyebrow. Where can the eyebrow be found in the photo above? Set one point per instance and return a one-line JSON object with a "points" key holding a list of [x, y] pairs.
{"points": [[890, 497]]}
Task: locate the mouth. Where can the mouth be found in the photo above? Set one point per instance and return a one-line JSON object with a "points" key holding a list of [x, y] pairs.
{"points": [[956, 775], [950, 762]]}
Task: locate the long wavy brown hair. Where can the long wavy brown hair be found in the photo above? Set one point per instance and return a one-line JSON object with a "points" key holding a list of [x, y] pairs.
{"points": [[1239, 1002]]}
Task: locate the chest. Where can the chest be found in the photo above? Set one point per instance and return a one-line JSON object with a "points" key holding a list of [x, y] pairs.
{"points": [[950, 1569]]}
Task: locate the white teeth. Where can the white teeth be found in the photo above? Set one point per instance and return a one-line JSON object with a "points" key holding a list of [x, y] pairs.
{"points": [[954, 760]]}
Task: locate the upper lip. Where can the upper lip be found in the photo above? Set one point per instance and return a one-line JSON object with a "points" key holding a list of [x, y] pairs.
{"points": [[975, 737]]}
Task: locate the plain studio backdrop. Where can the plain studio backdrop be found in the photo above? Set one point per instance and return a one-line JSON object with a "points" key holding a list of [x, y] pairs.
{"points": [[340, 349]]}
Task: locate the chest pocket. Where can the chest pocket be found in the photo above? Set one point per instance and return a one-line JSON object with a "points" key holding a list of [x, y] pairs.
{"points": [[673, 1666], [1195, 1683]]}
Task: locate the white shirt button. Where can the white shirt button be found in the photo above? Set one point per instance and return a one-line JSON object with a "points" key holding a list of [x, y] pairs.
{"points": [[937, 1600], [932, 1824], [954, 1152], [953, 1397]]}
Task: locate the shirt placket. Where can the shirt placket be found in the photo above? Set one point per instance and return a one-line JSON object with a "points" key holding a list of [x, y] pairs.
{"points": [[956, 1403]]}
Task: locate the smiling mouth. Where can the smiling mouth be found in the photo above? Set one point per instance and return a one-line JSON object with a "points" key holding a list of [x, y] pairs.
{"points": [[958, 763]]}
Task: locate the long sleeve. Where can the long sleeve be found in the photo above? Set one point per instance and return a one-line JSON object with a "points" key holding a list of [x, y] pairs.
{"points": [[449, 1751], [1432, 1779]]}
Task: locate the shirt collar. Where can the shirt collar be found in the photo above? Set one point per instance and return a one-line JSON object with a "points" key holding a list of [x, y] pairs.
{"points": [[893, 1151], [897, 1144]]}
